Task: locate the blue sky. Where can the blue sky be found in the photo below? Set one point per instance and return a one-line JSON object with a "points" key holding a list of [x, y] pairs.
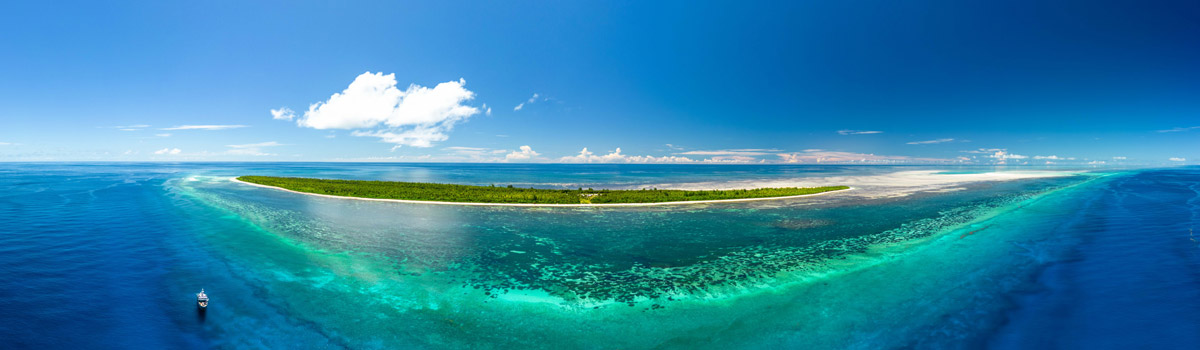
{"points": [[1019, 82]]}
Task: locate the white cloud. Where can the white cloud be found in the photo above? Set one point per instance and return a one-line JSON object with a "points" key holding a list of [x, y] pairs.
{"points": [[283, 113], [586, 156], [1095, 162], [1190, 128], [465, 149], [422, 136], [526, 153], [858, 132], [171, 151], [163, 135], [256, 145], [824, 156], [417, 116], [473, 154], [530, 101], [7, 144], [746, 152], [488, 155], [1177, 159], [1119, 158], [930, 141], [1053, 157], [984, 150], [732, 159], [252, 149], [204, 127], [486, 110], [1002, 156], [135, 127]]}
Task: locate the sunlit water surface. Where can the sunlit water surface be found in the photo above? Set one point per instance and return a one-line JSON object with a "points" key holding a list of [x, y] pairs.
{"points": [[110, 256]]}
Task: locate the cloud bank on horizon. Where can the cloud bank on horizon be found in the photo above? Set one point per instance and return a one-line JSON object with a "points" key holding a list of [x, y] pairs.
{"points": [[374, 106]]}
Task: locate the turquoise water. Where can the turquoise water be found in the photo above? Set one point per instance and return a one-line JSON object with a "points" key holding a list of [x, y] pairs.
{"points": [[110, 255]]}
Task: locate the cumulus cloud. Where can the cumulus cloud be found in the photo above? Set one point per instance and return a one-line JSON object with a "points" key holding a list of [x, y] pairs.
{"points": [[169, 151], [525, 153], [489, 155], [283, 113], [252, 149], [858, 132], [586, 156], [1177, 159], [1190, 128], [530, 101], [374, 106], [926, 142], [1003, 154], [204, 127]]}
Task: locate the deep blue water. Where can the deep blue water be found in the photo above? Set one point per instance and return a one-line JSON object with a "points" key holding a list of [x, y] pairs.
{"points": [[1131, 281], [110, 256]]}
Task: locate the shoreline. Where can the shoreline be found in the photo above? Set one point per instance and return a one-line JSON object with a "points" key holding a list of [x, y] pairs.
{"points": [[874, 186], [581, 205]]}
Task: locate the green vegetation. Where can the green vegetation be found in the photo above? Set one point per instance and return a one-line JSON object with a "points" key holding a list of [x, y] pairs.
{"points": [[509, 194]]}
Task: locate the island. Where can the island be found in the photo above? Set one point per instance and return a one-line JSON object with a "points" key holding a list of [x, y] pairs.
{"points": [[509, 195]]}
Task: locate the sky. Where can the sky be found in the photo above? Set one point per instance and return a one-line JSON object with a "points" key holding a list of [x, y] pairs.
{"points": [[891, 82]]}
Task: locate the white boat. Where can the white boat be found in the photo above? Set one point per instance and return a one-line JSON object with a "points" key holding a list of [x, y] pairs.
{"points": [[202, 299]]}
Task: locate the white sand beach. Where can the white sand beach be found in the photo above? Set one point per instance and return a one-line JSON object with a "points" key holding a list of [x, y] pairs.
{"points": [[895, 184]]}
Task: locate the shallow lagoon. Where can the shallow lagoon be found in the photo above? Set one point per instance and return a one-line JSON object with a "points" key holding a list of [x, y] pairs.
{"points": [[942, 267]]}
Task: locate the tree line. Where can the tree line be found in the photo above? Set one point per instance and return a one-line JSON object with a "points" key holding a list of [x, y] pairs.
{"points": [[508, 194]]}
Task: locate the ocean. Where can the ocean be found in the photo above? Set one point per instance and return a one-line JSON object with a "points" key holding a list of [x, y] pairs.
{"points": [[110, 255]]}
